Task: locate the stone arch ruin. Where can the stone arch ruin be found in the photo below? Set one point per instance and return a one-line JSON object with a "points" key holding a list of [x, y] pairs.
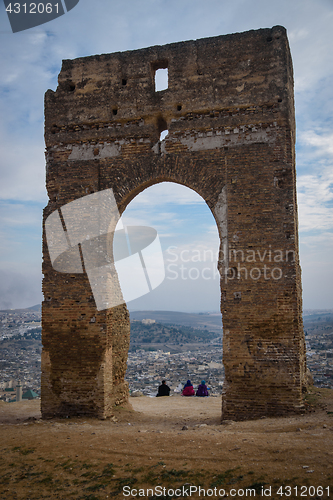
{"points": [[229, 112]]}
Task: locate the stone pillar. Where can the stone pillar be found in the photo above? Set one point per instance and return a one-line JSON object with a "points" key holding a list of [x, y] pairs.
{"points": [[18, 391]]}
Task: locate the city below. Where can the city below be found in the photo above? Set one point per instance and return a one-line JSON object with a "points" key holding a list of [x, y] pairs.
{"points": [[164, 345]]}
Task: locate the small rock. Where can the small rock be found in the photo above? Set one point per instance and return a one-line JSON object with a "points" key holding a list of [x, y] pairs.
{"points": [[305, 466], [184, 428], [203, 425], [310, 471], [136, 394], [324, 426], [298, 430]]}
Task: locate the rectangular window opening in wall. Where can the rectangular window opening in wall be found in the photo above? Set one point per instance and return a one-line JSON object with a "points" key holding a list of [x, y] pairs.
{"points": [[161, 79]]}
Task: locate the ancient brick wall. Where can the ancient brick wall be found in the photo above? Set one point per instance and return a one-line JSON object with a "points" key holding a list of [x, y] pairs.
{"points": [[229, 112]]}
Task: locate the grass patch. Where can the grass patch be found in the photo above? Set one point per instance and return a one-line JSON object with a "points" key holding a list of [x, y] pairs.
{"points": [[174, 475], [227, 477], [139, 469], [86, 466], [90, 474], [67, 465], [257, 486], [24, 451], [96, 487], [89, 497], [108, 470], [311, 398], [46, 480], [126, 481]]}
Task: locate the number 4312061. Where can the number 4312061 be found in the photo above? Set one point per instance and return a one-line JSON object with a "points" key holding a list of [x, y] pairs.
{"points": [[32, 8], [303, 491]]}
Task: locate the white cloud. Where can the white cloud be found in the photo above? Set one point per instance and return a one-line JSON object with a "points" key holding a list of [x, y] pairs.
{"points": [[168, 193], [317, 269], [315, 197], [20, 215], [317, 140], [20, 289], [22, 168], [322, 241]]}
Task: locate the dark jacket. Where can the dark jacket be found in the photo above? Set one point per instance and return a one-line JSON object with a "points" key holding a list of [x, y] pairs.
{"points": [[163, 390]]}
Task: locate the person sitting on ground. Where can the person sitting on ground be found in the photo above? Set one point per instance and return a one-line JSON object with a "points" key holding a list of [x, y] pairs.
{"points": [[163, 390], [202, 390], [188, 389]]}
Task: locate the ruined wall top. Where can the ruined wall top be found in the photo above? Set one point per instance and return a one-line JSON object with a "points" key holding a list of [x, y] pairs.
{"points": [[248, 73]]}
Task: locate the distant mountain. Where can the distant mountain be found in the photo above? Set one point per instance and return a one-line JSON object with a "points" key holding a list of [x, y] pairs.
{"points": [[141, 332], [203, 321], [320, 314], [37, 307], [310, 312]]}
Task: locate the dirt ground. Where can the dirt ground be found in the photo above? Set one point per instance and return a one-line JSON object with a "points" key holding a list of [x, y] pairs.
{"points": [[173, 443]]}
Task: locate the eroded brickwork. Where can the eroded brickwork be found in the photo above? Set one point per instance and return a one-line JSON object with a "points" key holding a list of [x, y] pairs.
{"points": [[229, 113]]}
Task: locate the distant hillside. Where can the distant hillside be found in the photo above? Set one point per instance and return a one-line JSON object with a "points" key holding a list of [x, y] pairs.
{"points": [[158, 333], [311, 312], [210, 321], [318, 316], [37, 308]]}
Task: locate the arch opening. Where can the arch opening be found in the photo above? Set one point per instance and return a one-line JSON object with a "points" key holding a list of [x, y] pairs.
{"points": [[178, 323]]}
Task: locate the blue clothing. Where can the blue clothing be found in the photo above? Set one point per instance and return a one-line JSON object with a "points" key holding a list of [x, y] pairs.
{"points": [[188, 384]]}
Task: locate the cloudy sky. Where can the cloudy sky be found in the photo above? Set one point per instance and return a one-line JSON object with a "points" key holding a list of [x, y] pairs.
{"points": [[30, 62]]}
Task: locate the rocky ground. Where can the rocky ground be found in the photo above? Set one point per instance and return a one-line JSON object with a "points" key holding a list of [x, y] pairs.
{"points": [[174, 443]]}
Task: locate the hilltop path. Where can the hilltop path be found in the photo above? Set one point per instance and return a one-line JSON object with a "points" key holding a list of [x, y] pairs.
{"points": [[146, 445]]}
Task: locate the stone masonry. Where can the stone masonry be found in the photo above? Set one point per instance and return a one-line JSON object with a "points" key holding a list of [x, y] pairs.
{"points": [[229, 113]]}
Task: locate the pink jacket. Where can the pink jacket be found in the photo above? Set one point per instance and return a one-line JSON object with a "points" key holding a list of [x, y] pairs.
{"points": [[188, 391]]}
